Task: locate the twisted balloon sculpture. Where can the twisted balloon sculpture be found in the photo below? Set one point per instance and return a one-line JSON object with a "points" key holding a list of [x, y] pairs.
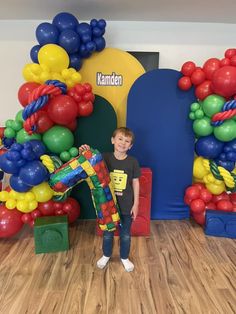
{"points": [[228, 111], [38, 99]]}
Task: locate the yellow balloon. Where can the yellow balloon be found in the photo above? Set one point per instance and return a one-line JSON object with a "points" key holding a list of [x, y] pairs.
{"points": [[33, 205], [10, 204], [23, 206], [4, 196], [199, 171], [13, 194], [54, 57], [42, 192], [29, 196], [216, 188]]}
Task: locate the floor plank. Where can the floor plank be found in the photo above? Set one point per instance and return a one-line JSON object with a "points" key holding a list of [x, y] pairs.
{"points": [[177, 270]]}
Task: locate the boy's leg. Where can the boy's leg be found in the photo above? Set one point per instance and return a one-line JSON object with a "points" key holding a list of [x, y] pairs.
{"points": [[125, 240], [107, 249]]}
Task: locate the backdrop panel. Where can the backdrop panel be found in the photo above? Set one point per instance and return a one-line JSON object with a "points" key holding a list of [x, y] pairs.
{"points": [[157, 112]]}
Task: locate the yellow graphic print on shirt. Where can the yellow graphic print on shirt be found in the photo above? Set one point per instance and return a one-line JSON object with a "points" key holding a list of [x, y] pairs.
{"points": [[119, 180]]}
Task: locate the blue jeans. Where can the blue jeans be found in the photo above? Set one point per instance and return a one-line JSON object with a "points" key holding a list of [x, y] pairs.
{"points": [[125, 238]]}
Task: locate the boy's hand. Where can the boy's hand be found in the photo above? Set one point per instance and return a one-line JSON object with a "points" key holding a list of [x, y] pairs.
{"points": [[83, 148], [134, 211]]}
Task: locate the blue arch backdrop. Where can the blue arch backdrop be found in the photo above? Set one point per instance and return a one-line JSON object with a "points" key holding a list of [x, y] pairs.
{"points": [[157, 112]]}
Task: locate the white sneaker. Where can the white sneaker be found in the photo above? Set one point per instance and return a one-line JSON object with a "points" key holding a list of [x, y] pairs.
{"points": [[128, 265], [101, 263]]}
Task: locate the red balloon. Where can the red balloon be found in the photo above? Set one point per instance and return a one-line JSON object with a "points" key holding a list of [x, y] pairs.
{"points": [[211, 205], [44, 123], [192, 192], [10, 222], [224, 205], [73, 211], [200, 186], [232, 197], [24, 92], [187, 200], [85, 108], [184, 83], [233, 61], [62, 109], [2, 129], [197, 206], [210, 66], [203, 90], [198, 77], [46, 208], [58, 205], [26, 218], [205, 195], [222, 196], [200, 218], [229, 53], [224, 61], [224, 81], [72, 125], [36, 213], [188, 68]]}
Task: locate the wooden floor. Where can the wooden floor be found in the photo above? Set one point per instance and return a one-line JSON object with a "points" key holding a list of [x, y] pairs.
{"points": [[177, 270]]}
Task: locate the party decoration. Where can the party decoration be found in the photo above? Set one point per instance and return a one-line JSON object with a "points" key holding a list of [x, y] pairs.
{"points": [[89, 166]]}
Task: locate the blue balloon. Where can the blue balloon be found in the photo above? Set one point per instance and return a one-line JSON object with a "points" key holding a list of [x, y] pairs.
{"points": [[18, 185], [100, 43], [231, 156], [86, 38], [8, 166], [65, 21], [28, 154], [93, 22], [84, 53], [228, 165], [33, 173], [17, 146], [34, 53], [13, 155], [84, 29], [101, 24], [208, 147], [69, 40], [91, 46], [97, 32], [47, 33], [38, 147], [75, 61]]}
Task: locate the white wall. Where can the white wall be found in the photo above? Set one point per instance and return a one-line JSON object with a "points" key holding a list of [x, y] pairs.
{"points": [[176, 42]]}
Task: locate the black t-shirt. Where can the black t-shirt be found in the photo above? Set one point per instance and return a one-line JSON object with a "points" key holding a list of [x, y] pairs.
{"points": [[122, 173]]}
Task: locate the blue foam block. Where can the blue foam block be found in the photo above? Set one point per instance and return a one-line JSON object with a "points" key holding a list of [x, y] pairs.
{"points": [[220, 224]]}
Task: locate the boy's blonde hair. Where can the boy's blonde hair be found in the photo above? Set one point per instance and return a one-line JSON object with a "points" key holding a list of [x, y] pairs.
{"points": [[125, 131]]}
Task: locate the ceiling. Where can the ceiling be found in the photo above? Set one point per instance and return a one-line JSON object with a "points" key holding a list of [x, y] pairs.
{"points": [[123, 10]]}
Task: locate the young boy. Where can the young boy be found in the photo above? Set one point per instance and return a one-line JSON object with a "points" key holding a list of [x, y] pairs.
{"points": [[124, 171]]}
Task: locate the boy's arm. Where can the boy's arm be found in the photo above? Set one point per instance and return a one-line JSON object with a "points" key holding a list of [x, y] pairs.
{"points": [[134, 210]]}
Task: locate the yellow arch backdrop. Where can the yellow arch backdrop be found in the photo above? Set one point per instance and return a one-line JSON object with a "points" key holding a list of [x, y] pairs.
{"points": [[112, 72]]}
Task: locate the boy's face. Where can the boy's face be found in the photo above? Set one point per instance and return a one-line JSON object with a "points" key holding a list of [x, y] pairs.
{"points": [[121, 142]]}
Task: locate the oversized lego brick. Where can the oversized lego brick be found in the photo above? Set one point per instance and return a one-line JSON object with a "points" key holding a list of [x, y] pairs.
{"points": [[220, 224], [51, 234], [145, 181]]}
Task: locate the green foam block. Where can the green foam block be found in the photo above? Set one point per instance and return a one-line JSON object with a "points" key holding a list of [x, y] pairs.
{"points": [[51, 234]]}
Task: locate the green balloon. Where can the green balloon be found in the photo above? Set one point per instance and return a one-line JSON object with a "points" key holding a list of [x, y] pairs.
{"points": [[199, 114], [58, 139], [74, 152], [194, 106], [192, 116], [65, 156], [203, 127], [9, 123], [212, 104], [9, 133], [19, 116], [17, 125], [22, 136], [226, 132]]}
